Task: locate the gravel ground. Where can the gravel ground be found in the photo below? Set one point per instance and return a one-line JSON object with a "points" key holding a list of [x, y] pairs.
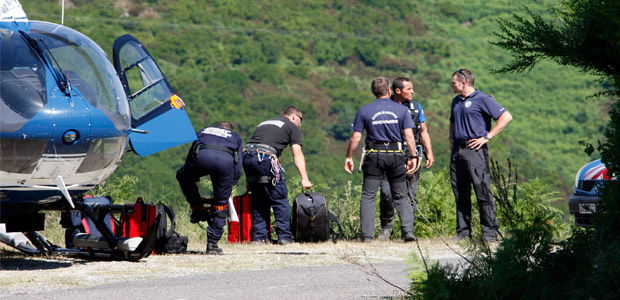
{"points": [[21, 275]]}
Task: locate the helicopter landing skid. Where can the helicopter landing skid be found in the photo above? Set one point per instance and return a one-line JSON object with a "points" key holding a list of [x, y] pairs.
{"points": [[91, 246]]}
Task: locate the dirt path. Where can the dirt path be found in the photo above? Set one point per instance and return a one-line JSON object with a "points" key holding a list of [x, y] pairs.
{"points": [[21, 275]]}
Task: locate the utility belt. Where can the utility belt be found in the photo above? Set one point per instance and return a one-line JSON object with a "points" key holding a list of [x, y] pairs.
{"points": [[260, 148], [263, 151], [384, 147], [232, 152]]}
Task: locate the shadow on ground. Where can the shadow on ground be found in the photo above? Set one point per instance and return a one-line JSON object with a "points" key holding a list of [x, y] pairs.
{"points": [[16, 261]]}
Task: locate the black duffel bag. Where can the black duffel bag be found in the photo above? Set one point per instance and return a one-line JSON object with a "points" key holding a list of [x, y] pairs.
{"points": [[311, 218]]}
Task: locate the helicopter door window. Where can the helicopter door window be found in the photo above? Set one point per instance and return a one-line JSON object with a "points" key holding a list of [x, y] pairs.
{"points": [[146, 84]]}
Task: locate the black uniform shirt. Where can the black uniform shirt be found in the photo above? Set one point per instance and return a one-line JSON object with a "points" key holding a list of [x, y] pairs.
{"points": [[277, 133]]}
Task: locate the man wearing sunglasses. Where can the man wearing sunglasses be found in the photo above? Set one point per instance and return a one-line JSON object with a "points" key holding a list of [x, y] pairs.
{"points": [[470, 131], [265, 176]]}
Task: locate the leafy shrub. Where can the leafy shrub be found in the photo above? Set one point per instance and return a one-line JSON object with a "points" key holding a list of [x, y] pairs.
{"points": [[341, 130], [121, 189], [271, 47], [369, 52], [294, 54], [436, 213], [326, 50], [266, 73], [398, 64], [298, 71], [233, 77], [528, 264], [521, 208], [247, 53]]}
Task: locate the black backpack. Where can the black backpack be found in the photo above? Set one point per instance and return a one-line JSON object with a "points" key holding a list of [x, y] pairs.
{"points": [[416, 110], [168, 240]]}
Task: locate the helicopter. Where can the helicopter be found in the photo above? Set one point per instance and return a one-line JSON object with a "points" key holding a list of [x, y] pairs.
{"points": [[68, 114]]}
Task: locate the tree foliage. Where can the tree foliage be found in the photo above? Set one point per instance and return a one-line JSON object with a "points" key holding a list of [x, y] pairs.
{"points": [[584, 34], [529, 264]]}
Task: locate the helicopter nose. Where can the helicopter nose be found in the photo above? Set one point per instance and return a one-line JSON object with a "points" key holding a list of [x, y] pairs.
{"points": [[70, 137]]}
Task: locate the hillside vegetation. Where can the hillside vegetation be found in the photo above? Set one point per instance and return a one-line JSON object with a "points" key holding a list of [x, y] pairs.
{"points": [[243, 61]]}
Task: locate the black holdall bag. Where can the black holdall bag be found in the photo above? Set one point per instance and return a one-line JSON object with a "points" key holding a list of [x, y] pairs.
{"points": [[311, 222]]}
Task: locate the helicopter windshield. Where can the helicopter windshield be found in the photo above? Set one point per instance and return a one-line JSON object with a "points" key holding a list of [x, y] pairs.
{"points": [[22, 87], [88, 69]]}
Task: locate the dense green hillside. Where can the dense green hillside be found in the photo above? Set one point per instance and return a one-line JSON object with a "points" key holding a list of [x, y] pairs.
{"points": [[244, 61]]}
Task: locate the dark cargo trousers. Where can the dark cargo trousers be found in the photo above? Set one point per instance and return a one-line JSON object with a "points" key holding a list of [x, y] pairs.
{"points": [[467, 167], [265, 197], [393, 167], [219, 166], [386, 204]]}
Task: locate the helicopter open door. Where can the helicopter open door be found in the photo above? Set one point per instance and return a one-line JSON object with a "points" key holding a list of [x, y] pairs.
{"points": [[159, 120]]}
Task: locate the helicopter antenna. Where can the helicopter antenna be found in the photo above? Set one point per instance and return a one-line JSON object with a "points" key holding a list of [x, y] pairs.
{"points": [[62, 18]]}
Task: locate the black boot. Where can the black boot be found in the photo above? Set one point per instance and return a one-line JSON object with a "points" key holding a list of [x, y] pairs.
{"points": [[213, 249], [409, 237]]}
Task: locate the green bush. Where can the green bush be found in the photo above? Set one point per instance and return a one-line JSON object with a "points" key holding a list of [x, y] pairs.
{"points": [[436, 213], [294, 54], [266, 73], [530, 262], [234, 78], [327, 50], [298, 71], [369, 52], [121, 189]]}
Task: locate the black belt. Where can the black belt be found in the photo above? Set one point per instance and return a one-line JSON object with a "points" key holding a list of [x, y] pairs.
{"points": [[261, 147], [382, 146], [221, 148], [462, 143], [259, 179]]}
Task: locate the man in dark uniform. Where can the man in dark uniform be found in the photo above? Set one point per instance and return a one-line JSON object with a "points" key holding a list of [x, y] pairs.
{"points": [[215, 153], [403, 93], [265, 176], [470, 131], [387, 124]]}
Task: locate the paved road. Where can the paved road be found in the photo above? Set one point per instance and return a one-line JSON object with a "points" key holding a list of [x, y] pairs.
{"points": [[316, 282]]}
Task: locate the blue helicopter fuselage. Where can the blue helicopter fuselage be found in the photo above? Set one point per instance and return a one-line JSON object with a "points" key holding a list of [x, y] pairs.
{"points": [[66, 118]]}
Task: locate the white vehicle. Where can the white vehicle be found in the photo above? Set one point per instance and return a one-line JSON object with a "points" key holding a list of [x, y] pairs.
{"points": [[587, 191]]}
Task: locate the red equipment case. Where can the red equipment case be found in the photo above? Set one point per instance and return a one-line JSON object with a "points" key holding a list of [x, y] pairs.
{"points": [[137, 224], [241, 231]]}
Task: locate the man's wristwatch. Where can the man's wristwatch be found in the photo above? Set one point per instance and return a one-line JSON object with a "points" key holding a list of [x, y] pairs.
{"points": [[487, 137], [412, 156]]}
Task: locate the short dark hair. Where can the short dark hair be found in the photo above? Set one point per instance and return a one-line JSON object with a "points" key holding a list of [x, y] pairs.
{"points": [[380, 86], [399, 83], [464, 74], [289, 110], [225, 125]]}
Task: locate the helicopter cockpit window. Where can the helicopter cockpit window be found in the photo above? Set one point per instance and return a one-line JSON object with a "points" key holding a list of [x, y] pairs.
{"points": [[22, 82], [146, 83], [87, 68]]}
